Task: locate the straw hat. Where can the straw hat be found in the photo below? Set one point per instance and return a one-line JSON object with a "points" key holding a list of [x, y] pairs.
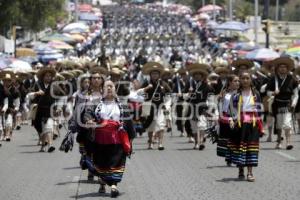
{"points": [[220, 70], [100, 70], [168, 71], [284, 61], [77, 72], [116, 71], [67, 75], [59, 77], [7, 75], [242, 62], [41, 73], [198, 68], [182, 71], [23, 76], [152, 66]]}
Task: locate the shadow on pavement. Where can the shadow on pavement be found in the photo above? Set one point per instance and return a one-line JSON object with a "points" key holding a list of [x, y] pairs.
{"points": [[227, 180], [187, 149], [28, 145], [32, 152], [220, 166], [71, 168]]}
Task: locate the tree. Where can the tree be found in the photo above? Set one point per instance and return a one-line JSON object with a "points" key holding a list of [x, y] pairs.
{"points": [[33, 15]]}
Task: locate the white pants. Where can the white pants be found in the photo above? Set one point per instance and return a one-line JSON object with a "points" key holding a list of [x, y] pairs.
{"points": [[284, 121], [158, 123], [48, 127]]}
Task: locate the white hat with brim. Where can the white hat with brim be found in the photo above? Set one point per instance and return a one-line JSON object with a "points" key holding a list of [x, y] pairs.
{"points": [[152, 66]]}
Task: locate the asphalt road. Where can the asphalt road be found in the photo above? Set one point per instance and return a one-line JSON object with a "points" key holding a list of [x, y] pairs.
{"points": [[178, 172]]}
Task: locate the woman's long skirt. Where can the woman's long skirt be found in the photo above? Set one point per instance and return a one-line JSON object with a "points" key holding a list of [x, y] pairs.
{"points": [[244, 146], [108, 155], [222, 144]]}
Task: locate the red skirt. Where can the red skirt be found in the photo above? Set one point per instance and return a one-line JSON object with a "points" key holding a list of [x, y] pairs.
{"points": [[111, 132]]}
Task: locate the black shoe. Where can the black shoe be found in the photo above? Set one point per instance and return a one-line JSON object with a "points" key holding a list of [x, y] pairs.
{"points": [[7, 140], [114, 193], [102, 189], [18, 127], [60, 126], [161, 148], [0, 145], [201, 147], [169, 130], [289, 147], [55, 137], [51, 149]]}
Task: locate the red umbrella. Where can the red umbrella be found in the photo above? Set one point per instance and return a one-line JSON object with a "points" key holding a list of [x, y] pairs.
{"points": [[85, 8], [209, 8]]}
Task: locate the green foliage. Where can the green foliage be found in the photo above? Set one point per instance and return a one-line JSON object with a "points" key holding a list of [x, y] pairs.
{"points": [[33, 15]]}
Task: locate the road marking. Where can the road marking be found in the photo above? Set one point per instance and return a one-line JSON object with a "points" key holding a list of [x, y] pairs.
{"points": [[286, 155]]}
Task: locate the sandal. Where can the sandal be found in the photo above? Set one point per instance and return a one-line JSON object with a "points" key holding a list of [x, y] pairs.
{"points": [[250, 178]]}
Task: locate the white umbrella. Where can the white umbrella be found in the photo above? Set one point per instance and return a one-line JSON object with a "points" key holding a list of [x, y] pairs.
{"points": [[20, 66], [74, 26]]}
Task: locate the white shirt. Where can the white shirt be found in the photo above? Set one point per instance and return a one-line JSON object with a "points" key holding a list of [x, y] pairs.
{"points": [[110, 110]]}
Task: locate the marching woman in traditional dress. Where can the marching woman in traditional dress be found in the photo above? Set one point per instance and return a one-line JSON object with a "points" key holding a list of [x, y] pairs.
{"points": [[43, 121], [95, 94], [113, 134], [75, 123], [225, 97], [245, 109]]}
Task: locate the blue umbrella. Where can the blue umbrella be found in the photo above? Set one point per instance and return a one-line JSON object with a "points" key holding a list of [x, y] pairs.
{"points": [[50, 57], [233, 26], [29, 59], [244, 46], [88, 17], [44, 50]]}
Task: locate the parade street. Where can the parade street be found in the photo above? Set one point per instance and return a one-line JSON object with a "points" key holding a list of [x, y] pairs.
{"points": [[176, 173]]}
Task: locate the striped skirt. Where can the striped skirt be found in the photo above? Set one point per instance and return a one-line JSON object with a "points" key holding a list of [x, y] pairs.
{"points": [[109, 162], [222, 145], [244, 146]]}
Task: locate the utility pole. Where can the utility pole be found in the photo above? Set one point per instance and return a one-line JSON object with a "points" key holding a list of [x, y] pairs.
{"points": [[230, 10], [266, 17], [203, 3], [76, 10], [277, 10], [256, 23], [214, 10]]}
